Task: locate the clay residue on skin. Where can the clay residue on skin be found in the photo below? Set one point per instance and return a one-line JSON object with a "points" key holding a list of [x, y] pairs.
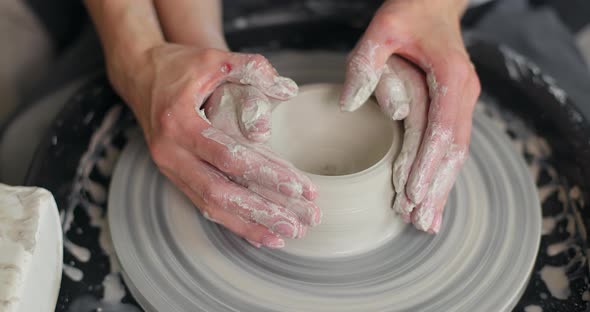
{"points": [[253, 109], [255, 168], [363, 76], [218, 136], [423, 218], [434, 88], [440, 138], [555, 278], [440, 186], [253, 73], [253, 112], [269, 215], [208, 217], [447, 170], [398, 98]]}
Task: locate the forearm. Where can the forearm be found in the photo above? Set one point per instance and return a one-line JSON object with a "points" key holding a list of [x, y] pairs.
{"points": [[193, 22], [128, 29]]}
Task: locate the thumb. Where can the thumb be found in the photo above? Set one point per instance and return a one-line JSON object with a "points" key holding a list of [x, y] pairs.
{"points": [[365, 66]]}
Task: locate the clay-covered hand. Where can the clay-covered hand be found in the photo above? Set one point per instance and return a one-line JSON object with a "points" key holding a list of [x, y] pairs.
{"points": [[233, 182], [413, 59]]}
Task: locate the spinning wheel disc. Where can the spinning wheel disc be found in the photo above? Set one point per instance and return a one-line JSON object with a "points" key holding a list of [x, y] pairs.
{"points": [[175, 260]]}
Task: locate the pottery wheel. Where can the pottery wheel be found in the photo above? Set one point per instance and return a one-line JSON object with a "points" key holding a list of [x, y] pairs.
{"points": [[175, 260]]}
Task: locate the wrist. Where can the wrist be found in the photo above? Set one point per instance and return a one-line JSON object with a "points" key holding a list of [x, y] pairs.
{"points": [[131, 73], [196, 23]]}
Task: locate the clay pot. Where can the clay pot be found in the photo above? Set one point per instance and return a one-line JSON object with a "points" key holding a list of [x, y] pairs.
{"points": [[349, 157]]}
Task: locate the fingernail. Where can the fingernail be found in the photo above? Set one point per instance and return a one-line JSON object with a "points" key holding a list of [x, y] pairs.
{"points": [[437, 224], [401, 112], [253, 243], [310, 192], [302, 232], [417, 190], [291, 188], [423, 219], [252, 112], [284, 229], [259, 137], [318, 218], [284, 88], [273, 242], [312, 213]]}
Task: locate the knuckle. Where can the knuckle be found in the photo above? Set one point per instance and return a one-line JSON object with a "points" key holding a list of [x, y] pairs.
{"points": [[225, 161], [260, 60], [159, 153], [167, 124], [475, 85], [213, 193], [209, 55], [385, 20], [442, 132], [359, 62], [209, 196], [458, 66]]}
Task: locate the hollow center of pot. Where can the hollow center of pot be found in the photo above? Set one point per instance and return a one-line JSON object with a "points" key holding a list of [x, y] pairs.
{"points": [[311, 132], [348, 156]]}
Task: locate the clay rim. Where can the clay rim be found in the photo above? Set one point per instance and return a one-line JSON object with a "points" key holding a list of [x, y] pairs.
{"points": [[360, 175], [357, 175], [354, 177]]}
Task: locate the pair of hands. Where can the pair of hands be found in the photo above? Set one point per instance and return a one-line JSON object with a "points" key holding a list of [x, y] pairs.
{"points": [[411, 58]]}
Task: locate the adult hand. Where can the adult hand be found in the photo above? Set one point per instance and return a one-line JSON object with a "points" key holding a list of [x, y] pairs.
{"points": [[229, 178], [413, 59]]}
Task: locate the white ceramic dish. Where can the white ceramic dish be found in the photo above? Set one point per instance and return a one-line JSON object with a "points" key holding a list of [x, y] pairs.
{"points": [[39, 261]]}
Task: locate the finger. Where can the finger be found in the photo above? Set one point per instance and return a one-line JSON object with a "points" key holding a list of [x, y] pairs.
{"points": [[254, 233], [256, 70], [219, 193], [414, 124], [221, 110], [246, 69], [403, 206], [428, 215], [456, 155], [365, 65], [307, 212], [237, 160], [395, 89], [239, 109], [255, 115], [310, 193], [446, 78]]}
